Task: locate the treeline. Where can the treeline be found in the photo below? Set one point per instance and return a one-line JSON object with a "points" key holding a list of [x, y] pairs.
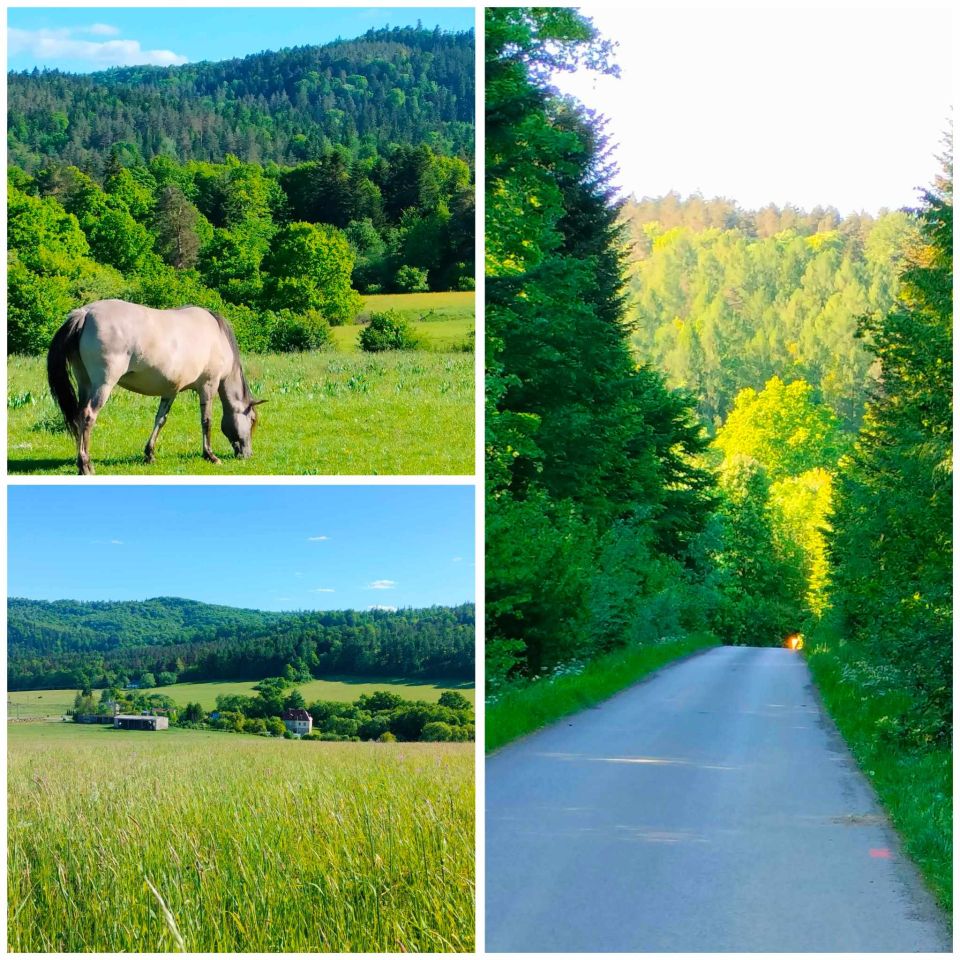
{"points": [[597, 507], [383, 716], [280, 251], [96, 645], [388, 87], [722, 298]]}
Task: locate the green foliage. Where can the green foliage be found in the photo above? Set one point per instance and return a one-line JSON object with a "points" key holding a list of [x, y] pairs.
{"points": [[387, 330], [411, 279], [309, 268], [261, 244], [387, 87], [596, 499], [69, 643], [892, 543], [723, 298]]}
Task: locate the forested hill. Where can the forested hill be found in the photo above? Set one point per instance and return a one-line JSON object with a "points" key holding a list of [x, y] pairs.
{"points": [[388, 87], [723, 298], [70, 643]]}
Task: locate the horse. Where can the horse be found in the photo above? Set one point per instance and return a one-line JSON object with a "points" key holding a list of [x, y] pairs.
{"points": [[156, 353]]}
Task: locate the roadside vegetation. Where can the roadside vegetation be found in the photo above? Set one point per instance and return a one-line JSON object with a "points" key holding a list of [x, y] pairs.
{"points": [[518, 710], [179, 842]]}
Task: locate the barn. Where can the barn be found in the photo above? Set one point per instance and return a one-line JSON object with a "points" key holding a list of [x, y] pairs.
{"points": [[134, 721]]}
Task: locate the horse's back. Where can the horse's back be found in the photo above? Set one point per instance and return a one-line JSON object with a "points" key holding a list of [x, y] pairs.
{"points": [[153, 351]]}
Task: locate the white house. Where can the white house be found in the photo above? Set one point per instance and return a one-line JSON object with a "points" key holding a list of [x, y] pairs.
{"points": [[297, 720]]}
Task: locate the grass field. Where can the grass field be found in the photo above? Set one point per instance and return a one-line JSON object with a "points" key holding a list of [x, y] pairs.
{"points": [[54, 703], [914, 786], [207, 842], [334, 411], [521, 709]]}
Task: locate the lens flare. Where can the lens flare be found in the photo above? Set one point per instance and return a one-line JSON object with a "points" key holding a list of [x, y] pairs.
{"points": [[794, 641]]}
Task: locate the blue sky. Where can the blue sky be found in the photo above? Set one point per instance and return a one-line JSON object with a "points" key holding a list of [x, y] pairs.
{"points": [[266, 547], [82, 39]]}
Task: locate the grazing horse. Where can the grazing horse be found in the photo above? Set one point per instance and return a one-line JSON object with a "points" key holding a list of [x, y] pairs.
{"points": [[157, 353]]}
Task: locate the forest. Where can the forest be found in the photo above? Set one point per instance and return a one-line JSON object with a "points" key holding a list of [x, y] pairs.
{"points": [[404, 85], [704, 418], [68, 643], [282, 242]]}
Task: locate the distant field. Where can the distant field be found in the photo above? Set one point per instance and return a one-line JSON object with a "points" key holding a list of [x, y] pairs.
{"points": [[54, 703], [329, 412], [215, 842]]}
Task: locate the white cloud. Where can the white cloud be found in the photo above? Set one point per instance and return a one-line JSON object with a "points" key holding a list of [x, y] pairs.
{"points": [[60, 43], [382, 585], [382, 606], [316, 539], [323, 590], [457, 560], [115, 543]]}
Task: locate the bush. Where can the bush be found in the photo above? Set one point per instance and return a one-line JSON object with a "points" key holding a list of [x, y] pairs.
{"points": [[411, 280], [437, 732], [306, 331], [386, 737], [387, 331]]}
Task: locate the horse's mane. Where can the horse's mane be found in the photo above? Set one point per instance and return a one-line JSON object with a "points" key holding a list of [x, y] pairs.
{"points": [[227, 331]]}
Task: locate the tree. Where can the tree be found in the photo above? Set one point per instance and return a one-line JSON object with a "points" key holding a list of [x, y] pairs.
{"points": [[294, 700], [891, 548], [146, 681], [176, 228], [193, 713], [454, 700], [309, 268]]}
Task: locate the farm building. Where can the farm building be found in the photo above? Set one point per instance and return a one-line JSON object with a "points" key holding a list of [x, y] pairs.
{"points": [[133, 721], [297, 720], [93, 718]]}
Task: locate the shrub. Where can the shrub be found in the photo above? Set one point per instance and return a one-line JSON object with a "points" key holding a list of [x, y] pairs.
{"points": [[306, 331], [387, 331], [386, 737], [411, 280], [437, 732]]}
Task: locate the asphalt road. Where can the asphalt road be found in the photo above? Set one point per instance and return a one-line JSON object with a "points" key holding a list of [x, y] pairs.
{"points": [[711, 808]]}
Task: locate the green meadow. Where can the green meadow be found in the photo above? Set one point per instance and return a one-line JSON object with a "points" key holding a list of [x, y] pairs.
{"points": [[181, 840], [333, 411], [54, 703]]}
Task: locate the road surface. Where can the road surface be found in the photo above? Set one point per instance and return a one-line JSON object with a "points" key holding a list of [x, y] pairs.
{"points": [[711, 808]]}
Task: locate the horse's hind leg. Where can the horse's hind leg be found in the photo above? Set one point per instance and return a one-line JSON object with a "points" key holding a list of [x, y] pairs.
{"points": [[165, 404], [88, 417]]}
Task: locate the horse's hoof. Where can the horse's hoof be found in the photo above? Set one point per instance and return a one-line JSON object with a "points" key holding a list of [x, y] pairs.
{"points": [[148, 458], [212, 458]]}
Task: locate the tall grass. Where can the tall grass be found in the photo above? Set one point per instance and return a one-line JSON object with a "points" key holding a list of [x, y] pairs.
{"points": [[521, 709], [130, 841], [914, 786]]}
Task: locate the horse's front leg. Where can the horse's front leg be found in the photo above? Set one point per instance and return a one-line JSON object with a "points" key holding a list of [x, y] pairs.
{"points": [[165, 404], [206, 416], [88, 417]]}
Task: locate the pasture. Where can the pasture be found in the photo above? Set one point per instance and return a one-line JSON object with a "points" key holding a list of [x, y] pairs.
{"points": [[209, 842], [336, 411], [54, 703]]}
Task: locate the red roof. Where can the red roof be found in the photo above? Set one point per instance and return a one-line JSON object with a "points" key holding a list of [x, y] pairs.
{"points": [[296, 713]]}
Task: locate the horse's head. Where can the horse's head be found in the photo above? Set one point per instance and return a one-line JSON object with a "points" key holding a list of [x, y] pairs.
{"points": [[238, 424]]}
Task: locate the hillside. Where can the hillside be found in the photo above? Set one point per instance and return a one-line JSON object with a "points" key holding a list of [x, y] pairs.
{"points": [[391, 86], [69, 643]]}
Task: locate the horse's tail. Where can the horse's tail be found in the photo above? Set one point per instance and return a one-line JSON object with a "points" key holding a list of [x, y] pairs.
{"points": [[63, 345]]}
